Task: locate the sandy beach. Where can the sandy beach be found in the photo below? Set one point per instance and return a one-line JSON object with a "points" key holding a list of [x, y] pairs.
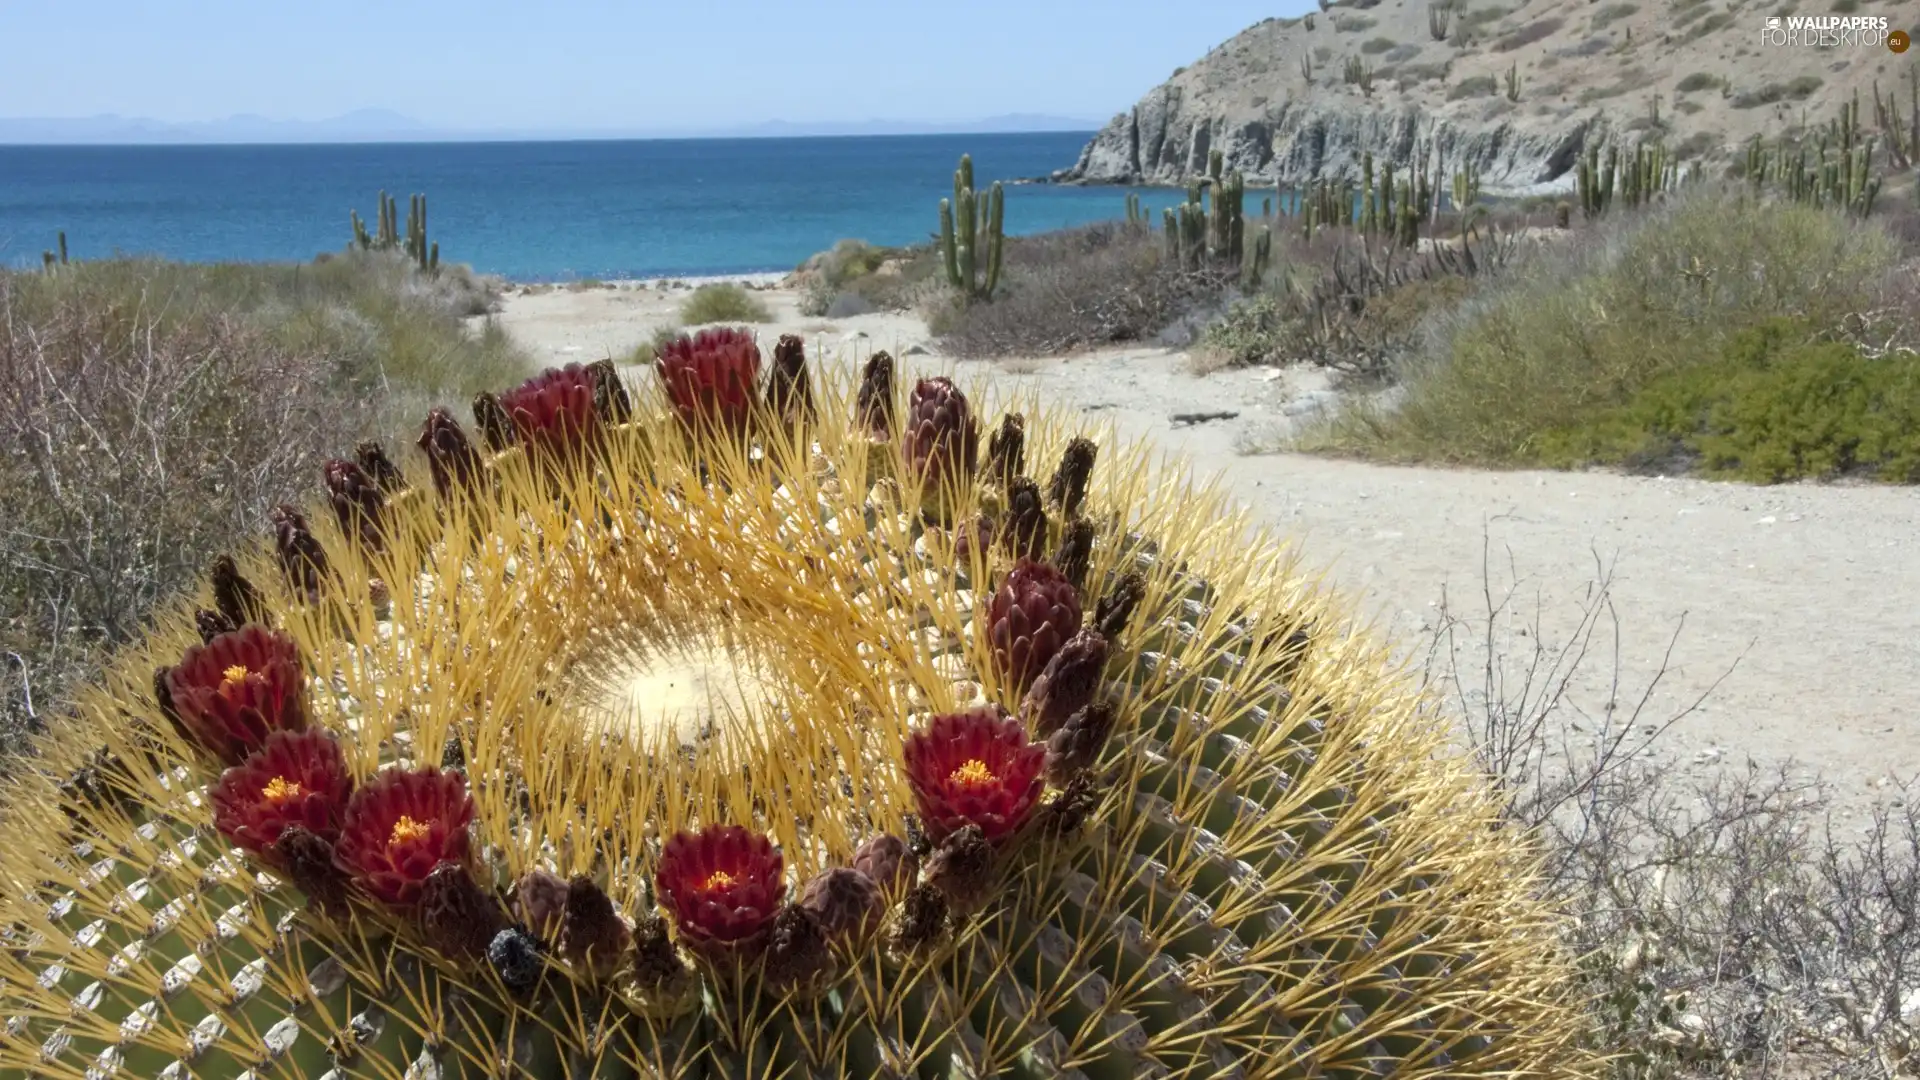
{"points": [[1796, 600]]}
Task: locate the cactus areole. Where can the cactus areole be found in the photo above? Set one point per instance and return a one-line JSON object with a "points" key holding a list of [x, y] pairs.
{"points": [[665, 735]]}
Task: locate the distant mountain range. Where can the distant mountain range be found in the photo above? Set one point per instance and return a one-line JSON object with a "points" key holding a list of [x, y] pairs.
{"points": [[381, 125]]}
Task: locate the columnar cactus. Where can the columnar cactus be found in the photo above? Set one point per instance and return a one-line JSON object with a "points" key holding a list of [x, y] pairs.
{"points": [[972, 234], [659, 762]]}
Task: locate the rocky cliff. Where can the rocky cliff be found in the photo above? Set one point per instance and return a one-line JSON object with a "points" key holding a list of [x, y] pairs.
{"points": [[1516, 89]]}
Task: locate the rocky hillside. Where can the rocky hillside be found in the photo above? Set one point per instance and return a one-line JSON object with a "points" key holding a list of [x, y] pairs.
{"points": [[1516, 87]]}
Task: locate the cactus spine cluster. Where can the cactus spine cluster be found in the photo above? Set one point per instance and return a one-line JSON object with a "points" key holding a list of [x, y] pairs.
{"points": [[972, 233], [625, 744], [388, 236], [1209, 230]]}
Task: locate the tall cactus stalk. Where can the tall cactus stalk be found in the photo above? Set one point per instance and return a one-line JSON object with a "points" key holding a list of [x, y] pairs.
{"points": [[387, 234], [967, 224]]}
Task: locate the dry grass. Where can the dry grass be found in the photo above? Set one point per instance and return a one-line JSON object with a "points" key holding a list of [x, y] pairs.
{"points": [[153, 412]]}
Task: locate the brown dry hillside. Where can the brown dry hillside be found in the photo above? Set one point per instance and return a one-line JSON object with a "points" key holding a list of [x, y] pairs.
{"points": [[1294, 99]]}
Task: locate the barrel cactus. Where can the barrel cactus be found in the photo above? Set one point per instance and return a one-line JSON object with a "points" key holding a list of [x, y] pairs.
{"points": [[635, 747]]}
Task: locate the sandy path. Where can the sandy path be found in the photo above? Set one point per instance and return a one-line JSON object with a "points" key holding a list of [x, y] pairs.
{"points": [[1814, 590]]}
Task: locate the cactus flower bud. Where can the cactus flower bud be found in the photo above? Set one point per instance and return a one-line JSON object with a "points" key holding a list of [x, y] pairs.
{"points": [[1115, 610], [235, 597], [373, 460], [873, 409], [358, 503], [1068, 682], [451, 458], [961, 866], [1032, 614], [847, 903], [593, 937], [889, 863], [456, 915], [1073, 748], [540, 903], [942, 440], [789, 393], [1068, 489], [1007, 450], [491, 417], [302, 560], [797, 957]]}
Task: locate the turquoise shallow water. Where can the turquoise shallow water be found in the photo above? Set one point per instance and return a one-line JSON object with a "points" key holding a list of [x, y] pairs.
{"points": [[532, 211]]}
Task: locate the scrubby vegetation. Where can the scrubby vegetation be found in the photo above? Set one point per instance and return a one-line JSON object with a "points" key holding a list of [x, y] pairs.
{"points": [[723, 302], [1649, 323], [153, 411]]}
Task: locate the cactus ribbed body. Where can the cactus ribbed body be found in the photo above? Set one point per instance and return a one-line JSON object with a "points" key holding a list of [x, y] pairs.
{"points": [[1246, 859]]}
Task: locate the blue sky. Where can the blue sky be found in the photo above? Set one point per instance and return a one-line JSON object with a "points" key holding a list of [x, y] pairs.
{"points": [[581, 64]]}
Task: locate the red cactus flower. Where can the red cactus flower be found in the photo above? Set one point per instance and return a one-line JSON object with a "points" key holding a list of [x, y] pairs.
{"points": [[723, 886], [232, 692], [399, 827], [295, 778], [942, 437], [710, 377], [1032, 615], [553, 411], [974, 768]]}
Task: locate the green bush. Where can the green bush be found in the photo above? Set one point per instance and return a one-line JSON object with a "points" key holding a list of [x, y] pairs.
{"points": [[1699, 80], [1586, 329], [1778, 405], [723, 302]]}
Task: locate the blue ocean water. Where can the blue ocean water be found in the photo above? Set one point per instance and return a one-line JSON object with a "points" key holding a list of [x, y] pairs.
{"points": [[533, 211]]}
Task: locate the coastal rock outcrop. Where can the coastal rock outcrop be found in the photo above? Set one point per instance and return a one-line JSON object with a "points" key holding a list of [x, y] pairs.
{"points": [[1516, 90]]}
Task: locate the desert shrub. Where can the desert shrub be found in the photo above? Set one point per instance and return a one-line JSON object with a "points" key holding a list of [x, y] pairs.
{"points": [[1374, 46], [1074, 289], [1611, 14], [1400, 54], [1778, 404], [1719, 20], [1590, 46], [1588, 327], [645, 352], [848, 304], [1537, 30], [1353, 24], [153, 411], [1477, 86], [1699, 80], [1799, 88], [1339, 306], [723, 302]]}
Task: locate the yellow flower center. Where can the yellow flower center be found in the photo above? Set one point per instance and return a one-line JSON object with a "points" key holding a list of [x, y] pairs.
{"points": [[720, 880], [234, 676], [973, 774], [407, 829], [279, 790]]}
